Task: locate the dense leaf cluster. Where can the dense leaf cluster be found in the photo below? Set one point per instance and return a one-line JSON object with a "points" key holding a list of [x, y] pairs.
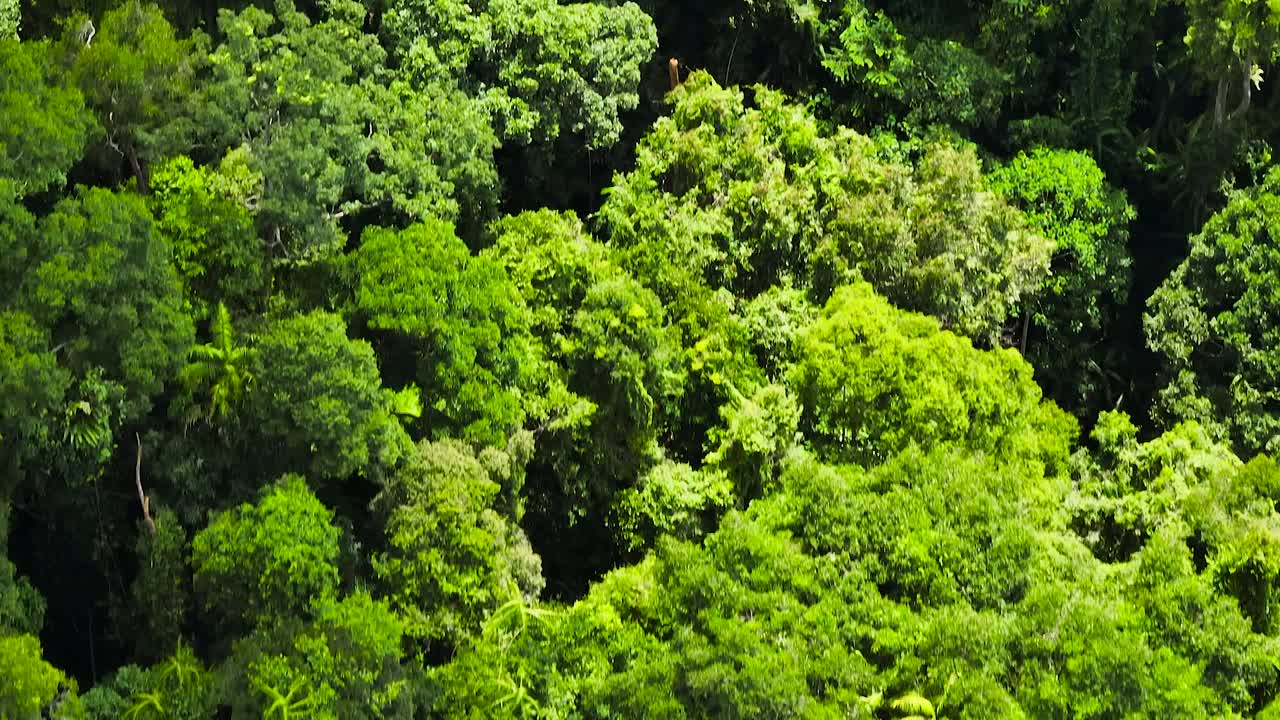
{"points": [[467, 359]]}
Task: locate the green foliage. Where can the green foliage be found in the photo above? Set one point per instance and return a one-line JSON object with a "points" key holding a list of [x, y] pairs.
{"points": [[1211, 321], [873, 380], [21, 607], [31, 389], [99, 279], [459, 315], [160, 597], [273, 559], [969, 258], [135, 73], [317, 403], [753, 196], [1182, 487], [1127, 490], [319, 119], [1232, 36], [733, 192], [671, 499], [759, 365], [31, 687], [758, 432], [206, 215], [10, 19], [552, 263], [346, 663], [621, 359], [179, 687], [544, 69], [451, 557], [1067, 200], [218, 370], [45, 124]]}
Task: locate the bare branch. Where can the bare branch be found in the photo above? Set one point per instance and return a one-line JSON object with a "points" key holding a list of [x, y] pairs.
{"points": [[142, 496]]}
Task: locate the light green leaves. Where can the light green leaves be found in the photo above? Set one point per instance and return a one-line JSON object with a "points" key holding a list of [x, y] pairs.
{"points": [[273, 559], [10, 19], [1068, 317], [220, 370], [464, 323], [451, 558], [28, 684], [545, 69], [751, 197], [873, 380]]}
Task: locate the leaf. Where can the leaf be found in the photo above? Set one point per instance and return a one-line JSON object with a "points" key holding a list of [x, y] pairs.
{"points": [[914, 703]]}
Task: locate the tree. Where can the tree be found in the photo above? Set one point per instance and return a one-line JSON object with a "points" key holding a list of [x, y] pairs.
{"points": [[206, 214], [547, 69], [319, 118], [160, 597], [318, 404], [451, 558], [873, 380], [462, 319], [1210, 321], [10, 19], [274, 559], [219, 370], [1230, 40], [1066, 199], [99, 282], [972, 256], [31, 687], [45, 124], [21, 606], [178, 687], [756, 196], [134, 72], [32, 387], [1183, 488], [349, 660]]}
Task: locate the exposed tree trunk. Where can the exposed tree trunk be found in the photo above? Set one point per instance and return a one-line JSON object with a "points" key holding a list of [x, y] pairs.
{"points": [[1220, 115], [142, 496], [139, 169], [1246, 91]]}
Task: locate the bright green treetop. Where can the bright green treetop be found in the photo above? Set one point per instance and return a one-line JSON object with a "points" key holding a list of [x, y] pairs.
{"points": [[451, 557], [269, 560], [1066, 199], [873, 380], [459, 315], [545, 68]]}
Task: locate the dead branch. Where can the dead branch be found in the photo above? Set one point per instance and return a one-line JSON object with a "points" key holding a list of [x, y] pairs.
{"points": [[142, 496]]}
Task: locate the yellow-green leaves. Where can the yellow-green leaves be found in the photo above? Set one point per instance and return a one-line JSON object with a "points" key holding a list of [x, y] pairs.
{"points": [[873, 380], [257, 563], [28, 684]]}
